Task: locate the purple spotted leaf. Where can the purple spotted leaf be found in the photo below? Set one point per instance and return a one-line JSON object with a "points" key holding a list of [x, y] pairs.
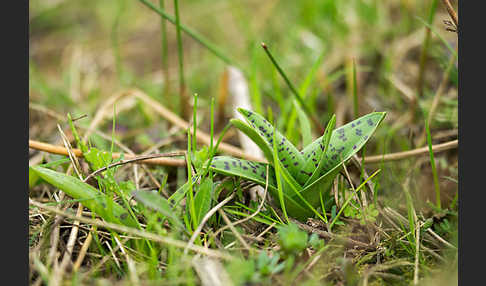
{"points": [[288, 154], [344, 143], [253, 171], [256, 172], [323, 146]]}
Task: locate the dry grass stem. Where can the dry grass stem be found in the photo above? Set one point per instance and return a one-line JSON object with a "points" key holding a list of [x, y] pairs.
{"points": [[208, 215], [134, 231]]}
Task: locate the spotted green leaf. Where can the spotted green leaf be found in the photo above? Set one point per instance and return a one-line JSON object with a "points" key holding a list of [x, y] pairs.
{"points": [[288, 154], [256, 172], [344, 143], [253, 171]]}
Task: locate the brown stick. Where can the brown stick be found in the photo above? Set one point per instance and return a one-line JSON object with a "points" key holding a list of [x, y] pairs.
{"points": [[412, 153], [62, 151], [134, 231], [181, 162]]}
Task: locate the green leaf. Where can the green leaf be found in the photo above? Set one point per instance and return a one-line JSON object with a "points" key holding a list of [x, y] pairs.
{"points": [[33, 178], [153, 200], [97, 159], [92, 198], [287, 153], [255, 137], [253, 171], [202, 199], [305, 125], [179, 194], [313, 155], [256, 172], [324, 145], [292, 239], [348, 139], [345, 141]]}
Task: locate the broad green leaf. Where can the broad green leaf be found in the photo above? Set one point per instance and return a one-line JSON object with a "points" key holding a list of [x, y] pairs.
{"points": [[313, 155], [253, 171], [153, 200], [256, 172], [202, 199], [179, 194], [348, 139], [325, 139], [290, 157], [305, 126], [344, 143], [33, 178], [255, 137], [93, 199]]}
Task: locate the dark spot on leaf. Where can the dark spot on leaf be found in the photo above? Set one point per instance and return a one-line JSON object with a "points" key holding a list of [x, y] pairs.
{"points": [[359, 132], [304, 172], [296, 163], [370, 122], [123, 215]]}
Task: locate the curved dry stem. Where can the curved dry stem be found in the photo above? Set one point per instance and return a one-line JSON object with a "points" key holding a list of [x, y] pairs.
{"points": [[134, 231], [204, 220]]}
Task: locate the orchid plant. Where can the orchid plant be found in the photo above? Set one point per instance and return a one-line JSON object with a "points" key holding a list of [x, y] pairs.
{"points": [[300, 180]]}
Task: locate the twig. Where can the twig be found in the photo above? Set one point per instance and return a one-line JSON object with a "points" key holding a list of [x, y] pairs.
{"points": [[208, 215], [62, 151], [253, 214], [417, 249], [180, 162], [82, 252], [134, 231], [412, 153], [133, 160], [233, 229]]}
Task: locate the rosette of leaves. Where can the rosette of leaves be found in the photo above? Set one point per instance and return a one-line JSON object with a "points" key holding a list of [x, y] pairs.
{"points": [[299, 180]]}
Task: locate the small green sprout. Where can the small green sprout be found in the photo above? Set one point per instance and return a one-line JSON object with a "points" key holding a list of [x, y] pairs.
{"points": [[305, 174]]}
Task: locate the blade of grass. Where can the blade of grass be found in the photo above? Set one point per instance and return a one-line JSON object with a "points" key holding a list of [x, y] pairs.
{"points": [[432, 164], [292, 88], [183, 100], [193, 34], [194, 122], [425, 47], [192, 209], [351, 197], [355, 91], [277, 167], [164, 49]]}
